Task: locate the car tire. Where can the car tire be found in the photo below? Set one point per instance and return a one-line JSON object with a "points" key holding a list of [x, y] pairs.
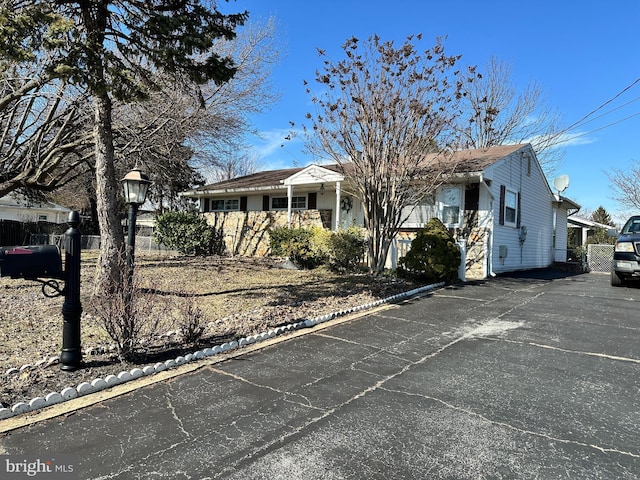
{"points": [[616, 281]]}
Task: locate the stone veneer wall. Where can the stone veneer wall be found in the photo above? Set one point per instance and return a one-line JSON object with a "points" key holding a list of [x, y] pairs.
{"points": [[247, 233], [476, 258]]}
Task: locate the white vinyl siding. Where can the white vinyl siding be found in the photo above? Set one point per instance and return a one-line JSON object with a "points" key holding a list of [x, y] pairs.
{"points": [[446, 205], [536, 214], [421, 214], [560, 234]]}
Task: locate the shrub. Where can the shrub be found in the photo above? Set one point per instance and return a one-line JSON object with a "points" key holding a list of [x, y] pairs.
{"points": [[129, 317], [189, 234], [311, 247], [434, 255], [190, 319], [346, 249], [296, 243]]}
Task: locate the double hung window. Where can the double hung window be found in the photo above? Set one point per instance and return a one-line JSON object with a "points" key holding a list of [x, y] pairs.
{"points": [[225, 205], [281, 203]]}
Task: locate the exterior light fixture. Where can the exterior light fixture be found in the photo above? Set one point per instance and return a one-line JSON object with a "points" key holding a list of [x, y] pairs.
{"points": [[135, 185]]}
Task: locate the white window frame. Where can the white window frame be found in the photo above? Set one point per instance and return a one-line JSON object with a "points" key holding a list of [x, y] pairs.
{"points": [[443, 204], [507, 194], [298, 202], [229, 204]]}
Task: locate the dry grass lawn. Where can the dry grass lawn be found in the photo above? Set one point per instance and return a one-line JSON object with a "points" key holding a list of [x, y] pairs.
{"points": [[235, 296]]}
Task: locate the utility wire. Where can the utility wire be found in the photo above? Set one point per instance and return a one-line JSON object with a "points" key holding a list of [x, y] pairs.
{"points": [[571, 137], [611, 111], [575, 124]]}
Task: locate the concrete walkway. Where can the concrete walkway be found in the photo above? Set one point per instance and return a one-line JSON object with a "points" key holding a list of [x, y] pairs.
{"points": [[515, 377]]}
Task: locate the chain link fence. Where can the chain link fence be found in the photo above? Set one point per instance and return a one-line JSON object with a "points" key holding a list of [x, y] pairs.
{"points": [[92, 242], [599, 258]]}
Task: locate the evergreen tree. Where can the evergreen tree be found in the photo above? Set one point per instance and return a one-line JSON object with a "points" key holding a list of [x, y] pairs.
{"points": [[114, 49], [602, 216]]}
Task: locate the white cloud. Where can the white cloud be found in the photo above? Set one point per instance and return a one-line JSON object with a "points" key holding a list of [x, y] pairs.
{"points": [[279, 148], [562, 141]]}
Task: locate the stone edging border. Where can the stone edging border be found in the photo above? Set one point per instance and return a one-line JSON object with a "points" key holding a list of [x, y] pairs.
{"points": [[98, 384]]}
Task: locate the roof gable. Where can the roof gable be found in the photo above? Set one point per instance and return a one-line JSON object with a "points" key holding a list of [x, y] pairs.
{"points": [[313, 174], [473, 160]]}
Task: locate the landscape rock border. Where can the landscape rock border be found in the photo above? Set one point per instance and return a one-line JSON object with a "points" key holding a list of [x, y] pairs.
{"points": [[98, 384]]}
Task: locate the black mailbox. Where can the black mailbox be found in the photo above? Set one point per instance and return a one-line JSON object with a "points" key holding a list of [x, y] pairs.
{"points": [[31, 262]]}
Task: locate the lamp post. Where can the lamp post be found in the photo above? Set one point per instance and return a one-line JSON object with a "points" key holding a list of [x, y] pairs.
{"points": [[135, 185]]}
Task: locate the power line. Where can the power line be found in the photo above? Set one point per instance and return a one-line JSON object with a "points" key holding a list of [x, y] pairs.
{"points": [[611, 111], [603, 127], [575, 124]]}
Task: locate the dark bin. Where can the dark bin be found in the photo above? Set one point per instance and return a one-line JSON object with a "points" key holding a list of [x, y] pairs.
{"points": [[31, 262]]}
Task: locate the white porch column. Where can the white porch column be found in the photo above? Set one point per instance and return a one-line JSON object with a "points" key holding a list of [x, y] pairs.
{"points": [[337, 224], [289, 201]]}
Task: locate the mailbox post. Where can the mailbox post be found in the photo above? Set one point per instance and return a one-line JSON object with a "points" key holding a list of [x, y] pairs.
{"points": [[43, 261], [71, 355]]}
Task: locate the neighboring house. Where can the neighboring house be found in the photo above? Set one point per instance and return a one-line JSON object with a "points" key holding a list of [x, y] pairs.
{"points": [[19, 208], [497, 203], [581, 229]]}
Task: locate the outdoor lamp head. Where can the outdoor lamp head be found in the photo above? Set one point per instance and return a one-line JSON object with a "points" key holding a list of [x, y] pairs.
{"points": [[135, 185]]}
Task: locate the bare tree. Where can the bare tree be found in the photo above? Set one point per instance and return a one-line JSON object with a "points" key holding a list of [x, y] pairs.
{"points": [[225, 120], [626, 185], [380, 112], [43, 130], [235, 162], [496, 114], [187, 130], [182, 128]]}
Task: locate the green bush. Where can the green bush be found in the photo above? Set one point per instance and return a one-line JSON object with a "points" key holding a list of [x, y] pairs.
{"points": [[434, 255], [311, 247], [346, 249], [296, 243], [189, 234]]}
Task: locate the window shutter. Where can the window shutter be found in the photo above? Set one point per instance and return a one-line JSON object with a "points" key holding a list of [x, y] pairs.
{"points": [[518, 212], [503, 192], [206, 205], [243, 204], [313, 201], [265, 203]]}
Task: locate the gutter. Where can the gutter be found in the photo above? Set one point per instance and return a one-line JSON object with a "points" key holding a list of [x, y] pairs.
{"points": [[201, 193]]}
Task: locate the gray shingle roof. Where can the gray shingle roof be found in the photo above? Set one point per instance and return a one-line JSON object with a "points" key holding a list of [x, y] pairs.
{"points": [[464, 161]]}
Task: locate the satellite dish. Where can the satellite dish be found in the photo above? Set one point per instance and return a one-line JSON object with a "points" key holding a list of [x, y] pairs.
{"points": [[561, 183]]}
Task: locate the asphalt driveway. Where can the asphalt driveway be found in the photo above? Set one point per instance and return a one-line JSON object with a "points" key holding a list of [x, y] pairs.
{"points": [[534, 376]]}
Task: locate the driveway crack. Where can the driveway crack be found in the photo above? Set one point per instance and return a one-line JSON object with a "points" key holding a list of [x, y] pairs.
{"points": [[517, 429]]}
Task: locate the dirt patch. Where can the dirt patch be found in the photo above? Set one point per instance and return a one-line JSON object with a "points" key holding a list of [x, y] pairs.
{"points": [[237, 297]]}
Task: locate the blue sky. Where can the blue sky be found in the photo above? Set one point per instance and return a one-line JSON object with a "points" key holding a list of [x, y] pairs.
{"points": [[582, 53]]}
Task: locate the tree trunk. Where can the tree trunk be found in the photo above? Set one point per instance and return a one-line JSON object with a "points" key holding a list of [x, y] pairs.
{"points": [[110, 263]]}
